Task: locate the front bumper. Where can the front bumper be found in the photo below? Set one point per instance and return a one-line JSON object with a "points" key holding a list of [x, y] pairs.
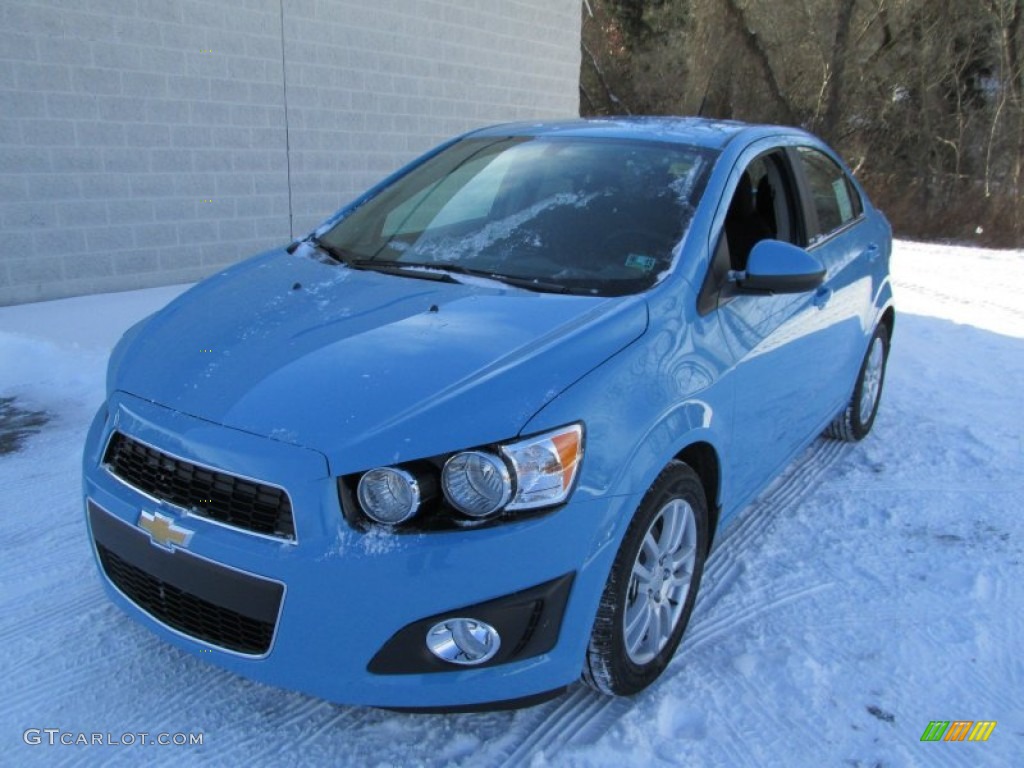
{"points": [[341, 596]]}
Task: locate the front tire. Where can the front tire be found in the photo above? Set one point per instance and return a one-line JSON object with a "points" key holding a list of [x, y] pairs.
{"points": [[652, 586], [855, 421]]}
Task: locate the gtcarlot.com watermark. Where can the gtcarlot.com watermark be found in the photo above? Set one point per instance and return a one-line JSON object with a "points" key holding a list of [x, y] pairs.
{"points": [[57, 737]]}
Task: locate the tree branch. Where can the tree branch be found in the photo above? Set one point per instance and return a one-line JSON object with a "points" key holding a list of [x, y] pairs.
{"points": [[753, 44], [603, 81]]}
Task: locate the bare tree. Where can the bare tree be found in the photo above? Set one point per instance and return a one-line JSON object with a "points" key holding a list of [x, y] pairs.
{"points": [[926, 99]]}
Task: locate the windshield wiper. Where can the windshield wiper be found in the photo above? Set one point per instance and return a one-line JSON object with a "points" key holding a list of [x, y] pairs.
{"points": [[530, 283], [335, 253], [439, 271], [410, 270], [423, 268]]}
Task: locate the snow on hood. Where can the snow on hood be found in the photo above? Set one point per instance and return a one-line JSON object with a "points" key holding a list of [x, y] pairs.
{"points": [[368, 368]]}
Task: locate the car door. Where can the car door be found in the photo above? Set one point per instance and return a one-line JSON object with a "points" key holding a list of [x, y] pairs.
{"points": [[777, 341], [838, 235]]}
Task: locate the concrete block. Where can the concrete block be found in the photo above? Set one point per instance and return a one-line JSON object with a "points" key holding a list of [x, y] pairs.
{"points": [[110, 238], [137, 212], [97, 133], [29, 76], [106, 186], [125, 57], [212, 160], [54, 186], [232, 184], [55, 105], [18, 47], [144, 85], [170, 160], [38, 269], [176, 209], [92, 265], [80, 160], [119, 160], [33, 19], [147, 135], [197, 232], [169, 112], [67, 242], [27, 215], [96, 81], [136, 262], [48, 132]]}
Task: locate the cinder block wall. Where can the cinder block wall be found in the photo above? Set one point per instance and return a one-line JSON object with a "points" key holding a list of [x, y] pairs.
{"points": [[148, 142]]}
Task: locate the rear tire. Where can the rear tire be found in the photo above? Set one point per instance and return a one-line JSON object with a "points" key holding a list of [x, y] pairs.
{"points": [[652, 586], [855, 421]]}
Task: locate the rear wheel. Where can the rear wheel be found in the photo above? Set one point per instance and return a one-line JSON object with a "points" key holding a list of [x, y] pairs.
{"points": [[652, 586], [855, 421]]}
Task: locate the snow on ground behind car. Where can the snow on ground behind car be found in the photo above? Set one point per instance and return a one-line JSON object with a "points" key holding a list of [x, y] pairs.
{"points": [[873, 588]]}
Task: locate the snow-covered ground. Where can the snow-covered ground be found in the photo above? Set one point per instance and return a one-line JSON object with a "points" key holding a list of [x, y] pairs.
{"points": [[872, 589]]}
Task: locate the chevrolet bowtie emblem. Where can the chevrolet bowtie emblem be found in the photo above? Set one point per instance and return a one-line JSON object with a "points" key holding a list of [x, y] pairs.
{"points": [[163, 531]]}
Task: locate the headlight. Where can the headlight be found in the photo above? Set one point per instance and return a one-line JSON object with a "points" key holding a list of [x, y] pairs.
{"points": [[477, 484], [389, 495], [545, 467], [532, 473]]}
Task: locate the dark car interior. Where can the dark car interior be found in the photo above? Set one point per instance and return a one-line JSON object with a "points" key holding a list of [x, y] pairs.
{"points": [[764, 205]]}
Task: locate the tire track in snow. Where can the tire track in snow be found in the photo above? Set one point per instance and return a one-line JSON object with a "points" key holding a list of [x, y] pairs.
{"points": [[27, 621], [303, 712], [796, 482], [78, 672], [582, 716], [762, 597], [739, 757], [707, 631], [753, 523], [562, 720], [351, 716], [801, 736], [320, 731], [949, 298]]}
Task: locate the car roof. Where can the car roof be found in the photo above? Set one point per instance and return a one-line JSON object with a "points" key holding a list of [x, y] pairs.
{"points": [[698, 131]]}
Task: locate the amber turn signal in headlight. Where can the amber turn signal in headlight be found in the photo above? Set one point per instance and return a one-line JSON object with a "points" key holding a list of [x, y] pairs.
{"points": [[544, 467]]}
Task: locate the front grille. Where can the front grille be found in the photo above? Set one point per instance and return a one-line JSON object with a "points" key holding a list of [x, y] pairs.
{"points": [[186, 612], [228, 499], [211, 602]]}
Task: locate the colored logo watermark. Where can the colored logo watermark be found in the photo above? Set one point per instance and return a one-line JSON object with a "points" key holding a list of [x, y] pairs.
{"points": [[958, 730]]}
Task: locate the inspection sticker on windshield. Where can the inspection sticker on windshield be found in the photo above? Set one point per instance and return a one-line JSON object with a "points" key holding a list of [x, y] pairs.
{"points": [[639, 261]]}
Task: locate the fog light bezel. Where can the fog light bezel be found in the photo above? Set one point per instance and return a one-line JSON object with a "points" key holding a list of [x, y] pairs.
{"points": [[529, 623]]}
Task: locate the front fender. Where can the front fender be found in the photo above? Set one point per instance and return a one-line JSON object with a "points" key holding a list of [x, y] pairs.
{"points": [[644, 406]]}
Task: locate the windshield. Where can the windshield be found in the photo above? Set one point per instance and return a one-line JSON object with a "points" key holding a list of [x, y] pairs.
{"points": [[593, 216]]}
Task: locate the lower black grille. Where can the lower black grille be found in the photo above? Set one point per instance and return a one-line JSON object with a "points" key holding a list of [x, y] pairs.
{"points": [[187, 613], [209, 602], [204, 492]]}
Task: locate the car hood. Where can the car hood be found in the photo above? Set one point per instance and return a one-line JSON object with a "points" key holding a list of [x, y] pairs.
{"points": [[367, 368]]}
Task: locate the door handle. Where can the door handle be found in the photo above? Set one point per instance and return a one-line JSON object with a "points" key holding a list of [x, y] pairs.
{"points": [[871, 252], [822, 297]]}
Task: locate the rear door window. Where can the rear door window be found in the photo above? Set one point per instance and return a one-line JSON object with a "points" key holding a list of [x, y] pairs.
{"points": [[834, 197]]}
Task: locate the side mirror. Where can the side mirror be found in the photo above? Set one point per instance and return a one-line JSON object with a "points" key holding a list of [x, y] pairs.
{"points": [[778, 267]]}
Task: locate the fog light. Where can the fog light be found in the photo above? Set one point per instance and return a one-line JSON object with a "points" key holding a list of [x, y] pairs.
{"points": [[463, 641]]}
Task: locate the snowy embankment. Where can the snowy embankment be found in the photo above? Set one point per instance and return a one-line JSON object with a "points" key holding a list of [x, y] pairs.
{"points": [[872, 589]]}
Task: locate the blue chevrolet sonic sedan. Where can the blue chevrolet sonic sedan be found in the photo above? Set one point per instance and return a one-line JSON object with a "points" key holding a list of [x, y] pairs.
{"points": [[471, 440]]}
